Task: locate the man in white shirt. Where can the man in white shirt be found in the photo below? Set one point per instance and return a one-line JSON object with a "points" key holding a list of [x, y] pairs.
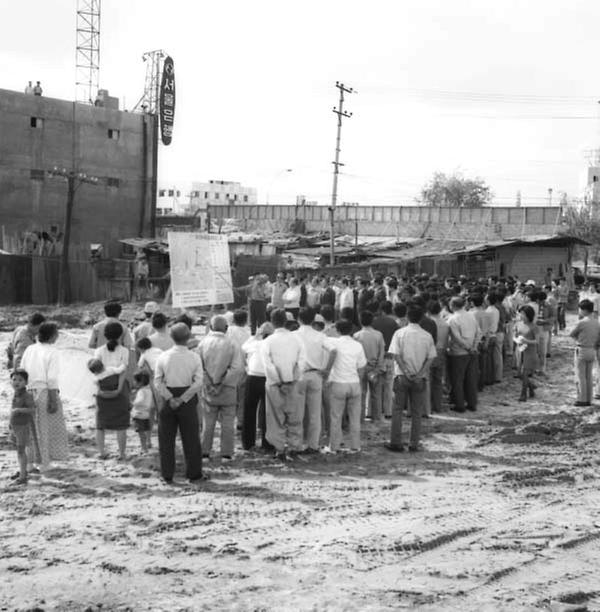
{"points": [[291, 297], [437, 371], [255, 389], [313, 293], [414, 351], [178, 378], [310, 387], [346, 295], [284, 359], [594, 298], [345, 369], [485, 322], [463, 355]]}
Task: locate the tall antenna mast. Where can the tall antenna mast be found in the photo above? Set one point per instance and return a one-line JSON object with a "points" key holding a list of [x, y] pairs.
{"points": [[87, 56], [148, 103]]}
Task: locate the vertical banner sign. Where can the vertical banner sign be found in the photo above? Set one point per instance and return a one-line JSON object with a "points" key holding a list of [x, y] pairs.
{"points": [[167, 101], [200, 271]]}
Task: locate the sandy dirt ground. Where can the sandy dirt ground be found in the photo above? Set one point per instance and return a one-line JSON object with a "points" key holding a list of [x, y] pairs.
{"points": [[502, 512]]}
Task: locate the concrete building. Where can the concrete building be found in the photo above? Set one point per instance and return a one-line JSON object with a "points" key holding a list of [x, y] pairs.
{"points": [[591, 179], [171, 201], [217, 192], [39, 133], [473, 224]]}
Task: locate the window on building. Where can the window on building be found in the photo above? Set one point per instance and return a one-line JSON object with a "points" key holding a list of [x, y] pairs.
{"points": [[161, 193], [206, 195], [36, 175], [178, 193], [245, 198], [114, 134], [36, 122], [112, 182], [216, 195], [595, 179], [171, 193], [227, 196], [235, 197]]}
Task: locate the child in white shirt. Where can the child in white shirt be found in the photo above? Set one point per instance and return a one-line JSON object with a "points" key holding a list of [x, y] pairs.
{"points": [[142, 408], [147, 363]]}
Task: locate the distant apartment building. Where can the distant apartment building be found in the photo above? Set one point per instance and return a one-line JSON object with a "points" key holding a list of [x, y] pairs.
{"points": [[217, 192], [171, 201]]}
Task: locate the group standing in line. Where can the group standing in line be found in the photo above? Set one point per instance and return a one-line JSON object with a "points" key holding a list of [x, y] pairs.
{"points": [[334, 353]]}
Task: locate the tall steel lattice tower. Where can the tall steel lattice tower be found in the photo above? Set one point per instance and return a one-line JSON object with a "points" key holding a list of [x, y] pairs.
{"points": [[87, 60], [148, 103]]}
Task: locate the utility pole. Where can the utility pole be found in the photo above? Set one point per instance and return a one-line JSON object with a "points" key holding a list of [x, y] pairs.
{"points": [[336, 166], [74, 181]]}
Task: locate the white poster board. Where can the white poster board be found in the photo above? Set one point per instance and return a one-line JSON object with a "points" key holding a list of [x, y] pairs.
{"points": [[200, 271]]}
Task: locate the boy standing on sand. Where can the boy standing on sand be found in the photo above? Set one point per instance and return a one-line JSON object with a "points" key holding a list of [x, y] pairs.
{"points": [[20, 420]]}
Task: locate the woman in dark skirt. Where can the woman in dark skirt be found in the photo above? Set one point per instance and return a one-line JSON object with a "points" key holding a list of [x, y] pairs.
{"points": [[113, 399], [527, 343]]}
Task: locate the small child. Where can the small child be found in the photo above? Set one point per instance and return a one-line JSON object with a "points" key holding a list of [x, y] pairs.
{"points": [[147, 363], [21, 419], [96, 367], [142, 408], [148, 355]]}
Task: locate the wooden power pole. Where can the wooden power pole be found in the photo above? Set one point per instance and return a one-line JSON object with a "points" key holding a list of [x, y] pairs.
{"points": [[74, 180], [336, 166]]}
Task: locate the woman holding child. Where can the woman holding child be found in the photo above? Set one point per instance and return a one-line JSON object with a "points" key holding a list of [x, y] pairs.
{"points": [[113, 401], [40, 361]]}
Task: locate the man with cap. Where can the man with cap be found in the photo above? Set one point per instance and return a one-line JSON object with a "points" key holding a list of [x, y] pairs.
{"points": [[178, 379], [144, 329]]}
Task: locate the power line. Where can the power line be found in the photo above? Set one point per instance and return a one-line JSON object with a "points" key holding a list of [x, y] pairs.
{"points": [[476, 96]]}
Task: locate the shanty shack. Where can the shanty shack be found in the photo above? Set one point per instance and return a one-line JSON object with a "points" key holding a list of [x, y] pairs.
{"points": [[529, 257]]}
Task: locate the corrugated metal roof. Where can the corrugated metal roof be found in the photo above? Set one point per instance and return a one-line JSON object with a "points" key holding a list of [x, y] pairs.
{"points": [[318, 251], [147, 243], [437, 248]]}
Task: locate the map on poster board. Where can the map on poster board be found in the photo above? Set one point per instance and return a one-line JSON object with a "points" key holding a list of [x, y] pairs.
{"points": [[200, 270]]}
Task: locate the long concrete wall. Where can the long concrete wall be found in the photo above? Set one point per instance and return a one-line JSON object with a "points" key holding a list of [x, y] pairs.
{"points": [[73, 136], [402, 221]]}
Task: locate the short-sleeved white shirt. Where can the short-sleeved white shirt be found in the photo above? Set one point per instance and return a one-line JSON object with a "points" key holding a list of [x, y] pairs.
{"points": [[350, 357]]}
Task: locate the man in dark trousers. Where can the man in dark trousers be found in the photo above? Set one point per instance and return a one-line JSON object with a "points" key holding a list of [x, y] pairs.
{"points": [[414, 351], [178, 379], [386, 324], [258, 296], [463, 355]]}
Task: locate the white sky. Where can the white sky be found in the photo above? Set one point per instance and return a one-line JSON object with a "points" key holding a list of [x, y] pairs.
{"points": [[489, 88]]}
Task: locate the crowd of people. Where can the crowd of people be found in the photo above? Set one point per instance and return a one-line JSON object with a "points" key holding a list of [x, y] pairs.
{"points": [[302, 369]]}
